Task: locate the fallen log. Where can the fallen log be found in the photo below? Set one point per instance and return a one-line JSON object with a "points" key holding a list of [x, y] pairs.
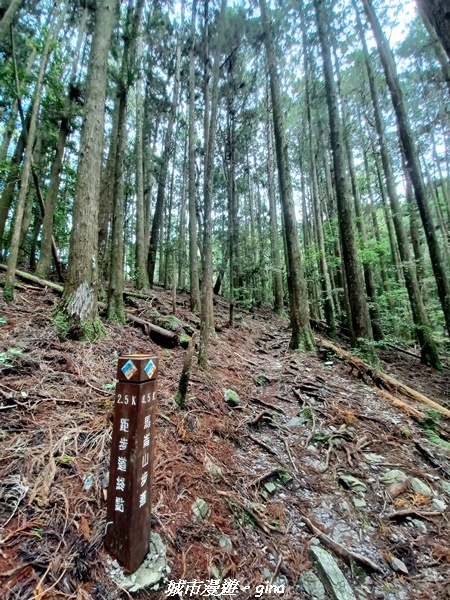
{"points": [[382, 378], [162, 337]]}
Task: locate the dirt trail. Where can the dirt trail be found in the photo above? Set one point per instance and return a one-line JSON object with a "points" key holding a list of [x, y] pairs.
{"points": [[308, 456]]}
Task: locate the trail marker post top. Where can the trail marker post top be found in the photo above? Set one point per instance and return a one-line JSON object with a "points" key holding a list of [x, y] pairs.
{"points": [[132, 457]]}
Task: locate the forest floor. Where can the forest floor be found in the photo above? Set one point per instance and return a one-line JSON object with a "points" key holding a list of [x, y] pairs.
{"points": [[312, 457]]}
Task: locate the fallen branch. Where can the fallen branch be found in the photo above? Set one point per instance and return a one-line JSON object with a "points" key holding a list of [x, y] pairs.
{"points": [[340, 550], [264, 403], [383, 378], [266, 527], [413, 512], [162, 337]]}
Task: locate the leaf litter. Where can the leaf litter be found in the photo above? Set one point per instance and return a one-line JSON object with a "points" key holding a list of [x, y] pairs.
{"points": [[298, 461]]}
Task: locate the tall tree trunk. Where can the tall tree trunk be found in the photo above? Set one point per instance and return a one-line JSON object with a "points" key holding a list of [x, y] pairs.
{"points": [[55, 26], [78, 312], [7, 20], [168, 147], [301, 336], [141, 255], [182, 223], [45, 255], [193, 258], [360, 323], [206, 317], [277, 283], [115, 308], [438, 12], [412, 161], [429, 354]]}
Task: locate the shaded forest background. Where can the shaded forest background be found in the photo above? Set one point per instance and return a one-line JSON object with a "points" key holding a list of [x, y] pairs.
{"points": [[288, 154]]}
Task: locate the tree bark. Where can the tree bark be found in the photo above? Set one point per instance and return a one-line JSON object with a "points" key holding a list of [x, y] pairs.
{"points": [[412, 161], [7, 20], [429, 354], [206, 317], [159, 207], [116, 310], [360, 323], [78, 312], [438, 14], [55, 25], [301, 336]]}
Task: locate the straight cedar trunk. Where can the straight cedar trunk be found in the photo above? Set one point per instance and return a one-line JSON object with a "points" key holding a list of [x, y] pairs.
{"points": [[277, 279], [78, 310], [106, 196], [206, 316], [7, 20], [45, 254], [429, 354], [162, 180], [115, 310], [8, 192], [412, 161], [327, 295], [438, 12], [11, 124], [369, 278], [360, 323], [193, 258], [141, 277], [55, 25], [301, 337], [437, 45], [182, 223]]}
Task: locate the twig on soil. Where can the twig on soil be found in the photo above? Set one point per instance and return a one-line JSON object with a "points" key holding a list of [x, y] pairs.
{"points": [[259, 416], [266, 527], [340, 550], [268, 404], [263, 445], [290, 455], [413, 512]]}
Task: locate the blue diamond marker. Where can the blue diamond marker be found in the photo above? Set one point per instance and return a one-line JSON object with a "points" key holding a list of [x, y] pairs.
{"points": [[150, 368], [129, 369]]}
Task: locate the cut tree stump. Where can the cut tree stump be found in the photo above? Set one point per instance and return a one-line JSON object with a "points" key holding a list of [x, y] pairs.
{"points": [[162, 337]]}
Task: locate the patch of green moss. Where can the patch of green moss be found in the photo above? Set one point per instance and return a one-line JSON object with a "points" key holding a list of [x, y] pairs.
{"points": [[184, 340], [84, 331], [8, 292]]}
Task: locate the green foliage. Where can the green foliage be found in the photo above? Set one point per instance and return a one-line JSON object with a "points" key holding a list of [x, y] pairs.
{"points": [[6, 357]]}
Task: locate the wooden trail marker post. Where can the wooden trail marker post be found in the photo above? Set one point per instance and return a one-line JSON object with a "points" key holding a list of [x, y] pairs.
{"points": [[132, 456]]}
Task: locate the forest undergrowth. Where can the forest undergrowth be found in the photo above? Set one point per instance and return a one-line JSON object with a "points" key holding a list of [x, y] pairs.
{"points": [[306, 454]]}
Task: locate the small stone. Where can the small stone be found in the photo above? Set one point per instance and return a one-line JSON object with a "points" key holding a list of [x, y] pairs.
{"points": [[168, 569], [88, 482], [396, 489], [439, 504], [231, 397], [393, 476], [311, 585], [328, 363], [398, 565], [270, 487], [200, 508], [226, 543], [420, 487], [266, 573], [315, 541], [331, 575], [445, 486], [353, 483], [359, 503], [419, 525], [294, 422], [373, 458]]}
